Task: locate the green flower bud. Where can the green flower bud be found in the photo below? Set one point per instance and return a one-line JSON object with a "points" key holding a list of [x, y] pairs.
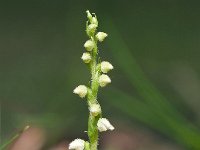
{"points": [[92, 28], [89, 16], [94, 20]]}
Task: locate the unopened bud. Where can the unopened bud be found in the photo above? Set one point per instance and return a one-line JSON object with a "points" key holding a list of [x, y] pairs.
{"points": [[81, 90], [89, 15], [95, 109], [106, 66], [86, 57], [104, 80], [92, 28], [101, 36], [89, 45], [103, 125], [77, 144], [94, 20]]}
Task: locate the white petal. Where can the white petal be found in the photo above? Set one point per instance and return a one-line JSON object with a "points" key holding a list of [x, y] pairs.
{"points": [[81, 90], [89, 45], [103, 125], [95, 109], [101, 36], [86, 57], [77, 144], [104, 80], [106, 66]]}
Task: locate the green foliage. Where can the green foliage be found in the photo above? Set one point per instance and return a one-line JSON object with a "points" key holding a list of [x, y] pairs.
{"points": [[152, 108], [40, 65]]}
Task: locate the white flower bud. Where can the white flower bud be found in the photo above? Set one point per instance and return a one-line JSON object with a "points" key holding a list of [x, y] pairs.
{"points": [[89, 14], [106, 66], [86, 57], [103, 125], [95, 109], [94, 21], [101, 36], [89, 45], [81, 90], [104, 80], [92, 27], [77, 144]]}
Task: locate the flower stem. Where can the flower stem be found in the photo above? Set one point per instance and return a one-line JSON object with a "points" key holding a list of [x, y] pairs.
{"points": [[95, 121], [92, 99]]}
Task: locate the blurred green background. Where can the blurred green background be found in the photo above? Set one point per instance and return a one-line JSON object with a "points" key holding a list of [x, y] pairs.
{"points": [[153, 45]]}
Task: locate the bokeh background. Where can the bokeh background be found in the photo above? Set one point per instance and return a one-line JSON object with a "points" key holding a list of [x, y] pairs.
{"points": [[154, 98]]}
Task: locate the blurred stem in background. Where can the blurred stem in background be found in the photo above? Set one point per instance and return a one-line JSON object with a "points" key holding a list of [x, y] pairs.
{"points": [[153, 109], [10, 141]]}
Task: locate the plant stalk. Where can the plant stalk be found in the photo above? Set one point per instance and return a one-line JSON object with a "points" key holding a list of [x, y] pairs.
{"points": [[92, 99]]}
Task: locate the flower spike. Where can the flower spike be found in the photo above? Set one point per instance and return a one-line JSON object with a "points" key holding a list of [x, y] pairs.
{"points": [[98, 79]]}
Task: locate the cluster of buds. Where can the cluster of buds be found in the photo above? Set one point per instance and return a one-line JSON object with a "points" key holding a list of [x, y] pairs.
{"points": [[99, 77]]}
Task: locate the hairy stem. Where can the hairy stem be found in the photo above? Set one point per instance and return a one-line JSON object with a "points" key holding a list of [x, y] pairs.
{"points": [[92, 99]]}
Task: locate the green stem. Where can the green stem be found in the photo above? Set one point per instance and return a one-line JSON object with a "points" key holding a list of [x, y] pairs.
{"points": [[2, 147], [6, 144], [92, 99]]}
